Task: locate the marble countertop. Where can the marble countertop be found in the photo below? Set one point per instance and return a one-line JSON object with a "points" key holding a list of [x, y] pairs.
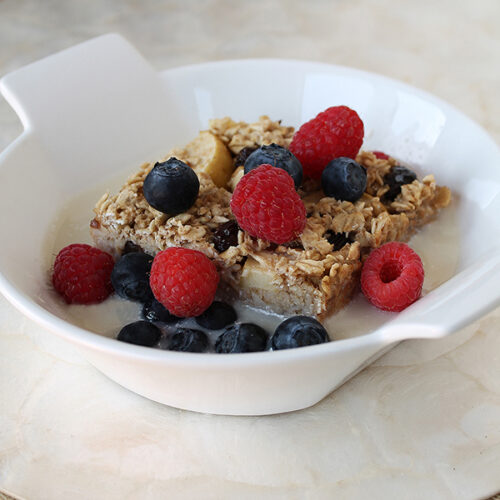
{"points": [[421, 422]]}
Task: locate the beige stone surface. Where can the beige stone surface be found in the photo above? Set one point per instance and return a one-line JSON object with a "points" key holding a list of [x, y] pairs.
{"points": [[422, 422]]}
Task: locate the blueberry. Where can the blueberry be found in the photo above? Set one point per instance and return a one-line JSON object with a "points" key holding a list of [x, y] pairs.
{"points": [[242, 337], [140, 333], [217, 316], [225, 236], [277, 156], [397, 177], [298, 331], [156, 311], [171, 187], [344, 179], [188, 340], [130, 276]]}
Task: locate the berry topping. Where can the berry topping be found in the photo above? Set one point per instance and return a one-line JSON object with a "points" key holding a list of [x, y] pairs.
{"points": [[140, 333], [267, 206], [217, 316], [171, 187], [130, 276], [338, 240], [397, 177], [337, 131], [82, 274], [188, 340], [225, 236], [241, 337], [155, 311], [344, 179], [242, 156], [277, 156], [298, 331], [392, 276], [184, 281], [380, 155]]}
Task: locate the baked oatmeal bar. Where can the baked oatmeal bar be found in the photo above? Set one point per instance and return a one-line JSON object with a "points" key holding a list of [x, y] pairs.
{"points": [[314, 275]]}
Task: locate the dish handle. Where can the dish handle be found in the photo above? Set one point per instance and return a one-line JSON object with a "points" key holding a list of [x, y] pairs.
{"points": [[101, 92]]}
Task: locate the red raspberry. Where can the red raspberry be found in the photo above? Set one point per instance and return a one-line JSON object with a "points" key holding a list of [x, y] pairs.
{"points": [[337, 131], [267, 206], [380, 155], [392, 276], [184, 281], [82, 274]]}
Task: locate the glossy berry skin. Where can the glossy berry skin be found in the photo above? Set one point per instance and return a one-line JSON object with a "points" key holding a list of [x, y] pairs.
{"points": [[267, 206], [217, 316], [188, 340], [82, 274], [241, 337], [298, 331], [392, 277], [397, 177], [344, 179], [337, 131], [130, 277], [155, 311], [171, 187], [140, 333], [277, 156], [184, 281]]}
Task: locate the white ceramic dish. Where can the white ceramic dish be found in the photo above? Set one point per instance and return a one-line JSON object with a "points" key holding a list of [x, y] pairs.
{"points": [[94, 108]]}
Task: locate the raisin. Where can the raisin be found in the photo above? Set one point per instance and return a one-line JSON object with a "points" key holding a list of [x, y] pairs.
{"points": [[131, 247], [397, 177], [338, 240], [295, 245], [225, 236], [242, 156]]}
